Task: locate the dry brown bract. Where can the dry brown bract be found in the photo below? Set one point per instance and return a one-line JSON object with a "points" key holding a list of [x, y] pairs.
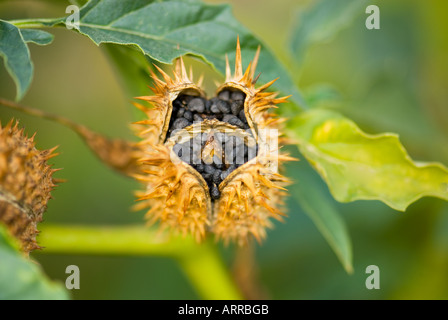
{"points": [[25, 184]]}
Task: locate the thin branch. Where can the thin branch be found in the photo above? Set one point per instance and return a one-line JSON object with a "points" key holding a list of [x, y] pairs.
{"points": [[120, 155], [201, 262]]}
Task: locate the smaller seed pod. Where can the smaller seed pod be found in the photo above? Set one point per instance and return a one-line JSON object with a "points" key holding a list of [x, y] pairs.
{"points": [[211, 165], [26, 181]]}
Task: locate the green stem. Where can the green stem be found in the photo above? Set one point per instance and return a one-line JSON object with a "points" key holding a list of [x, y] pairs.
{"points": [[36, 23], [201, 262]]}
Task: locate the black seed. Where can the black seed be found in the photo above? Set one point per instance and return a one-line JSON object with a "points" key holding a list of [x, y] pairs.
{"points": [[236, 107], [215, 192], [209, 169], [224, 174], [231, 168], [227, 117], [179, 153], [214, 108], [181, 123], [199, 168], [186, 99], [224, 95], [197, 118], [223, 106], [196, 105], [207, 177], [220, 166], [233, 120], [177, 103], [180, 112], [237, 95], [217, 177], [188, 115], [208, 105], [242, 116]]}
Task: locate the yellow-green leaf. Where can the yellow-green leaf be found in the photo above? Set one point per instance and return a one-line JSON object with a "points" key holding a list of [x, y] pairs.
{"points": [[357, 165]]}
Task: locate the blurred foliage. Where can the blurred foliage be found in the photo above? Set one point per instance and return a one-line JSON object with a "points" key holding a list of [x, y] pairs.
{"points": [[393, 79], [20, 278], [357, 166]]}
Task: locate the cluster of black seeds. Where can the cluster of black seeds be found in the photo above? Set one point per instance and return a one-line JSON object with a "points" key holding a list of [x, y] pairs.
{"points": [[215, 155], [228, 107]]}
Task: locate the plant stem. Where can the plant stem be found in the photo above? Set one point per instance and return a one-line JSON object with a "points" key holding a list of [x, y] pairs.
{"points": [[201, 262], [36, 23]]}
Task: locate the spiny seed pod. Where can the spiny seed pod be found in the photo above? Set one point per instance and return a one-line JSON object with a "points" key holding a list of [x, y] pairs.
{"points": [[210, 165], [25, 184]]}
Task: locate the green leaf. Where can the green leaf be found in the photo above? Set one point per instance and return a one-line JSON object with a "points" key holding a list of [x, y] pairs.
{"points": [[357, 165], [165, 30], [17, 58], [39, 37], [322, 21], [22, 279], [320, 207]]}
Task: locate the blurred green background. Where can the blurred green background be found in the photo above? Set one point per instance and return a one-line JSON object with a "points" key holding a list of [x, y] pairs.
{"points": [[394, 79]]}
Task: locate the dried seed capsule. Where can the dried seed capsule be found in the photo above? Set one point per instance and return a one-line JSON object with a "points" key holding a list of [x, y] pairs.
{"points": [[193, 198], [25, 185]]}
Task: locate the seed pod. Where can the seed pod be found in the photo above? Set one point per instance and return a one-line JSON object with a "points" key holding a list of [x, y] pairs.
{"points": [[25, 184], [235, 193]]}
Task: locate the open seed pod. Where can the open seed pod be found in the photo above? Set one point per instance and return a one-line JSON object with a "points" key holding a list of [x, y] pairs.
{"points": [[25, 184], [211, 165]]}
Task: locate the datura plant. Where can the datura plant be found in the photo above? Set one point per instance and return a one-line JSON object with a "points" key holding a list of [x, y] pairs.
{"points": [[207, 165]]}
